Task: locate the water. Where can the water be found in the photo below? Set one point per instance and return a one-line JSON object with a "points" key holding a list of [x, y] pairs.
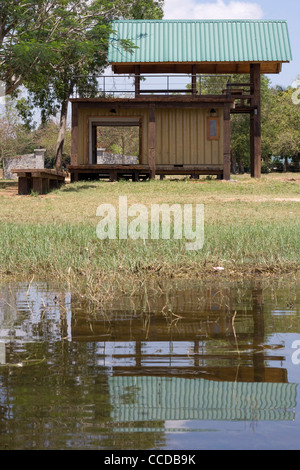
{"points": [[211, 365]]}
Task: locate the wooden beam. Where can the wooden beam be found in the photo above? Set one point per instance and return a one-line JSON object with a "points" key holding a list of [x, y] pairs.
{"points": [[255, 121], [268, 67], [226, 149], [151, 141]]}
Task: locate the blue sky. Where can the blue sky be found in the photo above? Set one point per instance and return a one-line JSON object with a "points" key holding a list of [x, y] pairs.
{"points": [[247, 9]]}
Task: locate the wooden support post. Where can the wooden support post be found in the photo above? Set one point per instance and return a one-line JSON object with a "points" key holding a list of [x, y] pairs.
{"points": [[226, 132], [74, 135], [94, 145], [113, 176], [74, 176], [137, 72], [135, 175], [151, 142], [194, 80], [255, 122]]}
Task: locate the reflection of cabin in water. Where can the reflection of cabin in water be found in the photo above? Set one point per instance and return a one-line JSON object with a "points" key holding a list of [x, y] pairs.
{"points": [[186, 129], [190, 361]]}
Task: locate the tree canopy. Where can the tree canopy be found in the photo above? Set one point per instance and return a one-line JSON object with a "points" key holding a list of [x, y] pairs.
{"points": [[47, 45]]}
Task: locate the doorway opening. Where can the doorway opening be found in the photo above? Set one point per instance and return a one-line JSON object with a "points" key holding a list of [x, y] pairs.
{"points": [[116, 141]]}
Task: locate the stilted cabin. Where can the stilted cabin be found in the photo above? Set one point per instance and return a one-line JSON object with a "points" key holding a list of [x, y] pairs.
{"points": [[181, 97]]}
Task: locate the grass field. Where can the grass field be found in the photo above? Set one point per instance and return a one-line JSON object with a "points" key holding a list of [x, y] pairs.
{"points": [[251, 226]]}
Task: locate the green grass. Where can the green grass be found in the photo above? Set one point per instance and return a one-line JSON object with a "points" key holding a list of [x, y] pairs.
{"points": [[250, 226]]}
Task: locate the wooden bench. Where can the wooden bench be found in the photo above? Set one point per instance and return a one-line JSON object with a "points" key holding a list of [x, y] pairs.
{"points": [[40, 181]]}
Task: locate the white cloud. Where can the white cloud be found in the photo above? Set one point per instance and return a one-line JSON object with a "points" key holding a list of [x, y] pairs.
{"points": [[219, 9]]}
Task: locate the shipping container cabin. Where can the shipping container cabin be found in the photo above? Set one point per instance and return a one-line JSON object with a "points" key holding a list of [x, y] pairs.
{"points": [[177, 129]]}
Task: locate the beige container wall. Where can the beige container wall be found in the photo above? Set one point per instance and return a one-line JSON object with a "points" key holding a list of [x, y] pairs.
{"points": [[84, 115], [181, 138], [181, 135]]}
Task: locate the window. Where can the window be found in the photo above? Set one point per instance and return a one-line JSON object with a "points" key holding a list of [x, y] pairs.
{"points": [[213, 128]]}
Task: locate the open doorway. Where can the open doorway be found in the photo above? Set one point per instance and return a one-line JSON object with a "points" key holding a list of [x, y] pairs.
{"points": [[115, 141]]}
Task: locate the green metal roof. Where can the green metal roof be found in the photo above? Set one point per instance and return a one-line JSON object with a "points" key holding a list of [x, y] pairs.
{"points": [[192, 41]]}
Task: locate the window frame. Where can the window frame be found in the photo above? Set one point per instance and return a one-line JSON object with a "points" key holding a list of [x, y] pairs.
{"points": [[208, 135]]}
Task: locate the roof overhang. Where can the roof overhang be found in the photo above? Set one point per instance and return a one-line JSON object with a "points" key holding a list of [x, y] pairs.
{"points": [[271, 67]]}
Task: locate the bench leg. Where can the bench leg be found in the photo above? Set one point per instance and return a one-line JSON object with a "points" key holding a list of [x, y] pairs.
{"points": [[45, 185], [23, 186], [37, 185]]}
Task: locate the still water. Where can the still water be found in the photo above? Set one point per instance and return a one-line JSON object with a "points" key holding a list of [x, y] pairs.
{"points": [[197, 365]]}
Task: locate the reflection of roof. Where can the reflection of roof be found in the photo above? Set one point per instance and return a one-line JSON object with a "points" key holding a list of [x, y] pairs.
{"points": [[161, 399]]}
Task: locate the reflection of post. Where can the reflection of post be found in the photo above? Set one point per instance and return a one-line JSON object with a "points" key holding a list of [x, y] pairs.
{"points": [[258, 334], [138, 353], [2, 353], [196, 353]]}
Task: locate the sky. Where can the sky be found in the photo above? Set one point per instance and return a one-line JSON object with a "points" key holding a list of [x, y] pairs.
{"points": [[261, 9]]}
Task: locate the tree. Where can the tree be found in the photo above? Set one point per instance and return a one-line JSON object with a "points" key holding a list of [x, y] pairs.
{"points": [[79, 58], [28, 36], [15, 139], [119, 139], [283, 126]]}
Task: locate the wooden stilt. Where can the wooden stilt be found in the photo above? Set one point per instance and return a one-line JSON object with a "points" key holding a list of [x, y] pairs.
{"points": [[113, 176], [255, 121]]}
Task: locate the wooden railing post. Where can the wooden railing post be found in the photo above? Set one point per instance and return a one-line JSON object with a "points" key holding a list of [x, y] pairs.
{"points": [[137, 82], [194, 80]]}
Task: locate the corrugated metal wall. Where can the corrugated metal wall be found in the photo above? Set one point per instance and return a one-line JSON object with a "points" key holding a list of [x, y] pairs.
{"points": [[181, 138], [181, 135]]}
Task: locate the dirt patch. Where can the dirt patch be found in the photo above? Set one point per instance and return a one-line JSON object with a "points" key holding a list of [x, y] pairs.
{"points": [[9, 192], [287, 199]]}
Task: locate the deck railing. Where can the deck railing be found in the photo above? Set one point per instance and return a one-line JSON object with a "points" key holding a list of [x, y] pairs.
{"points": [[125, 86]]}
